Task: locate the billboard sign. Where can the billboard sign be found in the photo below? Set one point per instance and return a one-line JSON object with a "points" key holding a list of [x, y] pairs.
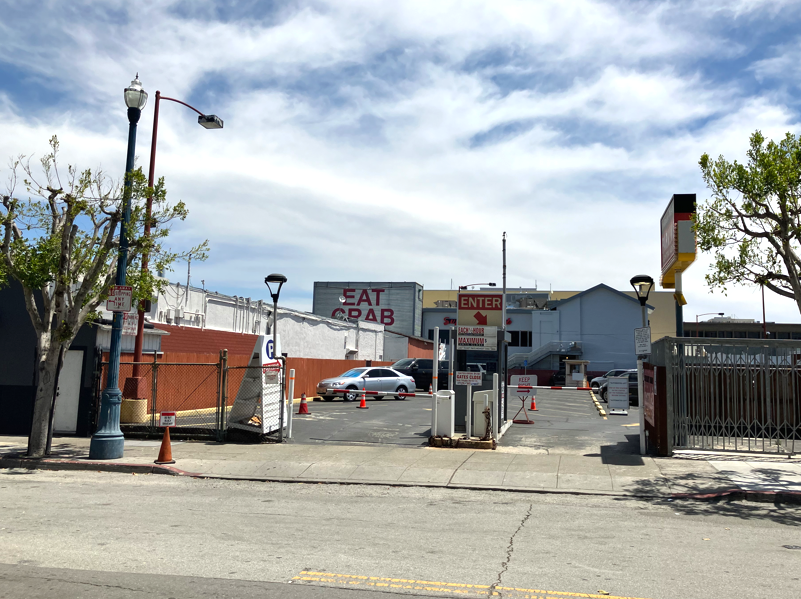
{"points": [[677, 237], [394, 305]]}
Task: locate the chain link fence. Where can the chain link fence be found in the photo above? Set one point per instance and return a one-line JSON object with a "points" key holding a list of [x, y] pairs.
{"points": [[202, 396]]}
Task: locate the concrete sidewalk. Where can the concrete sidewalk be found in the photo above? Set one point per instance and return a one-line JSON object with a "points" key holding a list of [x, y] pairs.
{"points": [[761, 478]]}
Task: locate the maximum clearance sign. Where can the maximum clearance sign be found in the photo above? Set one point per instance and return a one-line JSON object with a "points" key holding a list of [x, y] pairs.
{"points": [[477, 338]]}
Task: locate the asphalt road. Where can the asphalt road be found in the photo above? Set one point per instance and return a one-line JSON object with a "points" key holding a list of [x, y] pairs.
{"points": [[387, 421], [125, 532]]}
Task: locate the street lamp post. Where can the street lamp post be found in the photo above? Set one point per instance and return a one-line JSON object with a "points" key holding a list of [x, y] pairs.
{"points": [[704, 314], [280, 279], [464, 287], [642, 286], [107, 442], [207, 121]]}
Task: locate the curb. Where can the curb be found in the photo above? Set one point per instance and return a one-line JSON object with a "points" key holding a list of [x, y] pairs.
{"points": [[123, 468], [788, 497], [784, 497]]}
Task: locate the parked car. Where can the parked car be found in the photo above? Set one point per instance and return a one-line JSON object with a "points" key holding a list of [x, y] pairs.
{"points": [[384, 380], [600, 380], [634, 398], [422, 370]]}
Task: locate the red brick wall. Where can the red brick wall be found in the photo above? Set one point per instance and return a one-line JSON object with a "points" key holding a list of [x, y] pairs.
{"points": [[191, 340]]}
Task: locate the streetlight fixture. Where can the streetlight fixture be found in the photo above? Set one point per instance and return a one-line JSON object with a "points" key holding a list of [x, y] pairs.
{"points": [[108, 442], [464, 287], [704, 314], [642, 287], [280, 279], [207, 121]]}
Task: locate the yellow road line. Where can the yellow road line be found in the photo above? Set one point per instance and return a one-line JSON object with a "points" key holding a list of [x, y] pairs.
{"points": [[441, 587]]}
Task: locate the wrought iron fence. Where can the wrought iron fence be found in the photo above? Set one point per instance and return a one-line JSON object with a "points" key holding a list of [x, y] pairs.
{"points": [[732, 394]]}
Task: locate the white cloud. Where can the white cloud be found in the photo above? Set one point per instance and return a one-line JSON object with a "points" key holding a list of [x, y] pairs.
{"points": [[352, 144]]}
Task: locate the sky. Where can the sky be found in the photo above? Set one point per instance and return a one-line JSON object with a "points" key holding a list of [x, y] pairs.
{"points": [[398, 141]]}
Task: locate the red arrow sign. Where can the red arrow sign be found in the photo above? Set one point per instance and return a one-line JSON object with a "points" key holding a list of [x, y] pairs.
{"points": [[480, 318]]}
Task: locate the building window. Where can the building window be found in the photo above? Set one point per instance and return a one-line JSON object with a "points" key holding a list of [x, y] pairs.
{"points": [[753, 335], [783, 335], [520, 339]]}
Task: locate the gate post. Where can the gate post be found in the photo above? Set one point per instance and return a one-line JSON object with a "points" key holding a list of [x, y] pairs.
{"points": [[154, 391], [222, 394]]}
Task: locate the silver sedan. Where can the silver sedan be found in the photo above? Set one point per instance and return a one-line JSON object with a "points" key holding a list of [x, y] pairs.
{"points": [[384, 381]]}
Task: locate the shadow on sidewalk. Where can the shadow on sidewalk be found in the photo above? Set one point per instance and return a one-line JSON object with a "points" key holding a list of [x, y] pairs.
{"points": [[705, 499]]}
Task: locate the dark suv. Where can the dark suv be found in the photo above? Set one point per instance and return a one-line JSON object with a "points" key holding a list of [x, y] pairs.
{"points": [[422, 370]]}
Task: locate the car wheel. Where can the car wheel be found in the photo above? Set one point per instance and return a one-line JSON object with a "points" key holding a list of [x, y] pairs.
{"points": [[603, 394], [595, 387], [352, 394], [400, 389]]}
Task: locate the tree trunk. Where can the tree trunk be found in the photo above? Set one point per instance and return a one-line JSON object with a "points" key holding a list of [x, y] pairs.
{"points": [[48, 369]]}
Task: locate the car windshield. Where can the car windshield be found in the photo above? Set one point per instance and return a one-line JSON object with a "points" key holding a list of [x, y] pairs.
{"points": [[353, 373], [403, 363]]}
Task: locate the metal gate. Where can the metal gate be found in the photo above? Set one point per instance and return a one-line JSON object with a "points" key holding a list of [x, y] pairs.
{"points": [[201, 395], [732, 394]]}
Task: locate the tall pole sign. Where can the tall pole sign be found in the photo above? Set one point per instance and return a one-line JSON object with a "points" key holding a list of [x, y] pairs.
{"points": [[678, 248]]}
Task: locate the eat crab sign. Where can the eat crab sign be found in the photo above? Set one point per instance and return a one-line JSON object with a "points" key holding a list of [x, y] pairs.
{"points": [[480, 309]]}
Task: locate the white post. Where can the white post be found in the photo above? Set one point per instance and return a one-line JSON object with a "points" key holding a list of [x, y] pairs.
{"points": [[495, 406], [468, 429], [450, 363], [434, 374], [433, 414], [290, 402]]}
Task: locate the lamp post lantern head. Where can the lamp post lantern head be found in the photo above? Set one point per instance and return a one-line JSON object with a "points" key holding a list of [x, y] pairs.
{"points": [[642, 286], [210, 121], [275, 278], [135, 96]]}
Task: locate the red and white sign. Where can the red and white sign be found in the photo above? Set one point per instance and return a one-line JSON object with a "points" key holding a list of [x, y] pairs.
{"points": [[119, 298], [468, 378], [271, 372], [482, 309], [130, 321], [167, 419], [477, 338]]}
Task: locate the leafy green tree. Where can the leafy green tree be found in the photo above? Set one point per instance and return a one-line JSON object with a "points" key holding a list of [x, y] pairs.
{"points": [[61, 243], [752, 222]]}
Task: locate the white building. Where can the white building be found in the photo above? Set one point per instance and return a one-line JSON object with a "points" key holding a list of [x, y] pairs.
{"points": [[303, 335]]}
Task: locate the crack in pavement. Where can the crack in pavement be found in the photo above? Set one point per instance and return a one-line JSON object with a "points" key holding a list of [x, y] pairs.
{"points": [[509, 550], [23, 577]]}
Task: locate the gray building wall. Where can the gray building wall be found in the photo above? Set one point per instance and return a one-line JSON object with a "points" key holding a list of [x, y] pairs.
{"points": [[601, 319], [398, 306]]}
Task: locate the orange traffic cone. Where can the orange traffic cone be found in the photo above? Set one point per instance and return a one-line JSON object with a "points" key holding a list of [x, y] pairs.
{"points": [[431, 389], [363, 405], [165, 453], [533, 407], [304, 408]]}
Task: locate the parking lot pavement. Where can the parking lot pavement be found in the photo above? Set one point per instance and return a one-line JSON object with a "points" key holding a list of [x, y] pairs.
{"points": [[567, 422], [387, 422]]}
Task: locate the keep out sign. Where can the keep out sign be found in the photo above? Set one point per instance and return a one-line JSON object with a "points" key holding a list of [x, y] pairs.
{"points": [[365, 304]]}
